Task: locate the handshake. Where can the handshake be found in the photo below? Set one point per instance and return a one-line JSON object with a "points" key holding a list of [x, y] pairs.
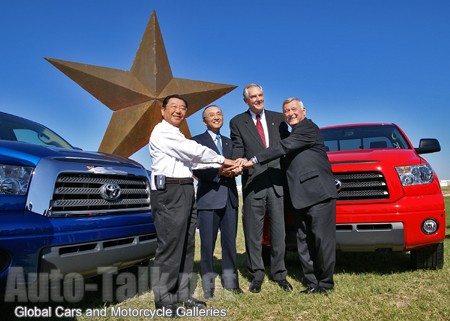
{"points": [[234, 167]]}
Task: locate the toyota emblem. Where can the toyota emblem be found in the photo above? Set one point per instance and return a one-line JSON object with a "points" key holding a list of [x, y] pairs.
{"points": [[110, 192], [338, 185]]}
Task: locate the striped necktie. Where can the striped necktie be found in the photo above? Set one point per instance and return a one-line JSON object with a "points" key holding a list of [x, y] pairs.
{"points": [[219, 144]]}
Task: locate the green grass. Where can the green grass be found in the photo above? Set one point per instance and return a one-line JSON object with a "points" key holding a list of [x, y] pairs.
{"points": [[445, 189], [369, 286]]}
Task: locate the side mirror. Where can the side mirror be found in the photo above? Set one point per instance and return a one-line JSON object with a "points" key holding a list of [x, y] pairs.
{"points": [[428, 145]]}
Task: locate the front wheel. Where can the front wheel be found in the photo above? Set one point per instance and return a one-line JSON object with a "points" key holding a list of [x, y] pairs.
{"points": [[429, 258]]}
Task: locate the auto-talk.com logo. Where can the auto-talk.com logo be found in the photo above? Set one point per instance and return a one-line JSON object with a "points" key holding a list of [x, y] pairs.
{"points": [[110, 191]]}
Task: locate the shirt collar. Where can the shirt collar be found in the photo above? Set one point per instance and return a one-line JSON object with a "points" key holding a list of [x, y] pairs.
{"points": [[169, 125], [213, 135], [254, 115]]}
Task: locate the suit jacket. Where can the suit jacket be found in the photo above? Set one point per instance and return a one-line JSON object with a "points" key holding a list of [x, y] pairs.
{"points": [[213, 190], [308, 169], [247, 143]]}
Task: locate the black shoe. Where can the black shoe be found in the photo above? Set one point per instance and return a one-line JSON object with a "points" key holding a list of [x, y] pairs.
{"points": [[194, 303], [255, 286], [169, 310], [285, 285], [309, 290], [208, 294], [322, 290], [235, 290]]}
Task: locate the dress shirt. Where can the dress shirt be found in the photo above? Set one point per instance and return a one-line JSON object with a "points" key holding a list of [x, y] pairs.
{"points": [[263, 123], [214, 137], [173, 155]]}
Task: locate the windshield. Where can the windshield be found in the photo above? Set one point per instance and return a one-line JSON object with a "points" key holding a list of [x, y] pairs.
{"points": [[22, 130], [363, 137]]}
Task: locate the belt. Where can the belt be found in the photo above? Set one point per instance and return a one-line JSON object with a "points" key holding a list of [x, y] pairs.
{"points": [[180, 181]]}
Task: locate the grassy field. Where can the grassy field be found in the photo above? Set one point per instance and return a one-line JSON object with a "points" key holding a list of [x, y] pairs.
{"points": [[369, 286]]}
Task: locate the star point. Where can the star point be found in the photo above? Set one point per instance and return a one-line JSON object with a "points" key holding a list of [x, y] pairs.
{"points": [[135, 96]]}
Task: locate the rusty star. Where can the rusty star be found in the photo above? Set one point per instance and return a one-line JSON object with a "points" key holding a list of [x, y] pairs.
{"points": [[136, 95]]}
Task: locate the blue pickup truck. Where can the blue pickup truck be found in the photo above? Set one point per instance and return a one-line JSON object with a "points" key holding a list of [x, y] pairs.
{"points": [[68, 210]]}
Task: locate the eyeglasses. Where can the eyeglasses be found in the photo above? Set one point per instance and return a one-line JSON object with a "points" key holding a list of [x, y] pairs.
{"points": [[181, 108], [212, 115]]}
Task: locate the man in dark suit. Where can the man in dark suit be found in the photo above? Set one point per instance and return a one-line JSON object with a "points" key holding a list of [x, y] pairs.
{"points": [[251, 132], [217, 208], [313, 195]]}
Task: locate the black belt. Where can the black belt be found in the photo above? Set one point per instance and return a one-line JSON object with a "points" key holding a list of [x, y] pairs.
{"points": [[180, 181]]}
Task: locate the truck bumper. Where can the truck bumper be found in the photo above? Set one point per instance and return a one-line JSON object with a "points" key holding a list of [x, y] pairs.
{"points": [[86, 258], [41, 244], [394, 226], [370, 237]]}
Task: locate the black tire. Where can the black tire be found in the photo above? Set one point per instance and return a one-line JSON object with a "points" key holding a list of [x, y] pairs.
{"points": [[429, 258]]}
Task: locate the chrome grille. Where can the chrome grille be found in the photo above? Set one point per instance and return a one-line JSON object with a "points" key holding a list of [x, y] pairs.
{"points": [[362, 186], [80, 194]]}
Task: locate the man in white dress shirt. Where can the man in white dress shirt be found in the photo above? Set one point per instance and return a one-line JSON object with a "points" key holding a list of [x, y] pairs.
{"points": [[173, 205]]}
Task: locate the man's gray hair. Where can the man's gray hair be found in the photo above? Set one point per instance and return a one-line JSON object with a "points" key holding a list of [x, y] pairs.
{"points": [[204, 110], [287, 101], [245, 93]]}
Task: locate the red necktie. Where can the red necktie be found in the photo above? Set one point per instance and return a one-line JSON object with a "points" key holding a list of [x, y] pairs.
{"points": [[260, 129]]}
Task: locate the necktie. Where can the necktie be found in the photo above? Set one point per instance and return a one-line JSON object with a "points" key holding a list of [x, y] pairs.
{"points": [[260, 130], [219, 144]]}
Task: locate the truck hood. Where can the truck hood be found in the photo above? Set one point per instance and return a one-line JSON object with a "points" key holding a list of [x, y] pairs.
{"points": [[386, 156], [20, 153]]}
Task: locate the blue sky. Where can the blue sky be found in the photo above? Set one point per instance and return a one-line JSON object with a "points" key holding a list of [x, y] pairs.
{"points": [[349, 61]]}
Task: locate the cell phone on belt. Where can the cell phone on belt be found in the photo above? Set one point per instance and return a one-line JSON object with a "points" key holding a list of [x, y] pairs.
{"points": [[160, 182]]}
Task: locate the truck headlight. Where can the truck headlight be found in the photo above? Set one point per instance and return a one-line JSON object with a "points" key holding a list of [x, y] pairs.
{"points": [[430, 226], [14, 180], [415, 174]]}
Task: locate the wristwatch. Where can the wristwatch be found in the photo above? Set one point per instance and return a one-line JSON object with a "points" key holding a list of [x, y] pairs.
{"points": [[254, 160]]}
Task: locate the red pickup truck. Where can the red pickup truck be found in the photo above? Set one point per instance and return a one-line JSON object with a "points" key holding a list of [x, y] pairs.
{"points": [[389, 198]]}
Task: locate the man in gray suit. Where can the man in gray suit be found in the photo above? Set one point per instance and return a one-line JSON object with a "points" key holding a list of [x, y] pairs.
{"points": [[251, 132], [217, 208], [313, 195]]}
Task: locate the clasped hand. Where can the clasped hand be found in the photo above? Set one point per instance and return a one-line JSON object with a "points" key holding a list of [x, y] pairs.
{"points": [[232, 167]]}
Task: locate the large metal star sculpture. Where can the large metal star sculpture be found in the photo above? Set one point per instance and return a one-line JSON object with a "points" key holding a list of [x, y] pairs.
{"points": [[136, 95]]}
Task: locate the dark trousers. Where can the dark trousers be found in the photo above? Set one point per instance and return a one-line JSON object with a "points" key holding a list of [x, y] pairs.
{"points": [[209, 223], [316, 242], [255, 210], [175, 216]]}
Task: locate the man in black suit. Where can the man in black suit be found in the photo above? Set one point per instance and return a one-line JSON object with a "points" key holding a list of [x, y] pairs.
{"points": [[251, 132], [313, 195], [217, 207]]}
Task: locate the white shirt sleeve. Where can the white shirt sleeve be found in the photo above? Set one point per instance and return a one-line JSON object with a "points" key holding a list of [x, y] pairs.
{"points": [[174, 144]]}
